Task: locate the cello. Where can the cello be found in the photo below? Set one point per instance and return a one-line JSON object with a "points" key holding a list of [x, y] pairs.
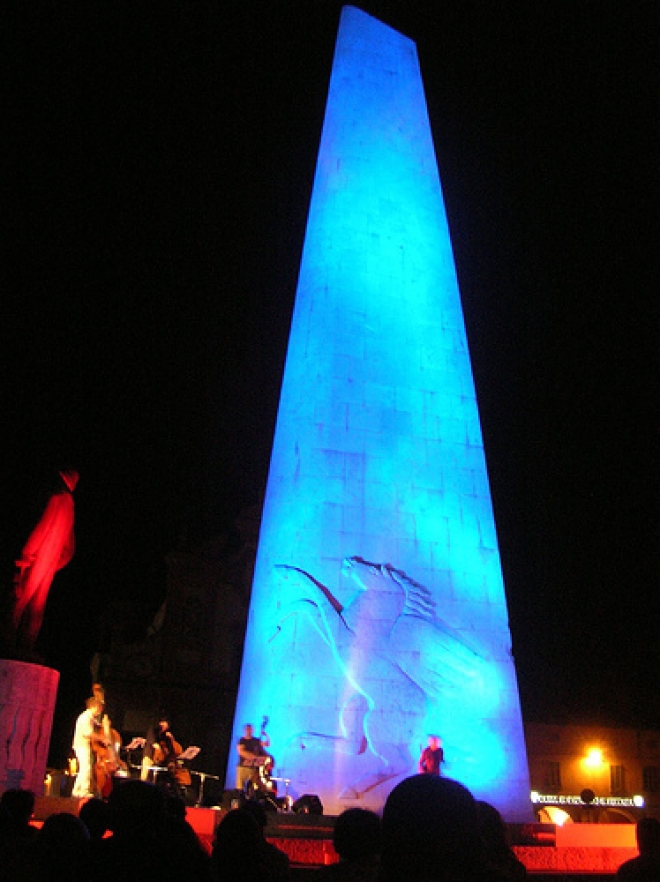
{"points": [[167, 751]]}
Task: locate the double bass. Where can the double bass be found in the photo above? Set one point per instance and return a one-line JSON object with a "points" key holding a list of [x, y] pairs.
{"points": [[264, 764], [106, 744]]}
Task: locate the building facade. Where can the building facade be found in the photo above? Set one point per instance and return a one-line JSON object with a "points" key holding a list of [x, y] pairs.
{"points": [[187, 664], [593, 774]]}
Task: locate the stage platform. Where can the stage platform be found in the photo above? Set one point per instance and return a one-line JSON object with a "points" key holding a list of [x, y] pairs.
{"points": [[571, 852]]}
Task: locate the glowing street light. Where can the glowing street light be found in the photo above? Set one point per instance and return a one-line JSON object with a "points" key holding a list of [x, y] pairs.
{"points": [[594, 758]]}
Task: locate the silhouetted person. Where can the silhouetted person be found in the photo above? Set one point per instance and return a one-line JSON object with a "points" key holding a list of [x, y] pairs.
{"points": [[20, 805], [276, 860], [184, 841], [60, 851], [147, 843], [646, 866], [16, 834], [175, 807], [494, 835], [95, 815], [238, 855], [357, 841], [430, 833], [7, 842]]}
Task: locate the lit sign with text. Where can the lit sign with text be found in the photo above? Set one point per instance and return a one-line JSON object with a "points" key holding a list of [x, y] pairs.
{"points": [[558, 799]]}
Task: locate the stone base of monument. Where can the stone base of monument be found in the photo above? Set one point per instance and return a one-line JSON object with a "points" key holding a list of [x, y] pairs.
{"points": [[29, 693]]}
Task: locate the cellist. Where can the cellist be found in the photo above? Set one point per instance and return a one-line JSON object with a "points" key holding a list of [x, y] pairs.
{"points": [[166, 750]]}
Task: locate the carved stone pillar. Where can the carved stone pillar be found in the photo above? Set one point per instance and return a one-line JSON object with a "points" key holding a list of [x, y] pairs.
{"points": [[27, 703]]}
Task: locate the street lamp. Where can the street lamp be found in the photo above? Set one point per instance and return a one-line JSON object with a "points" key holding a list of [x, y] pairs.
{"points": [[594, 758]]}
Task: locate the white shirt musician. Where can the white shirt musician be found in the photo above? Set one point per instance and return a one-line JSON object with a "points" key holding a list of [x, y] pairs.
{"points": [[85, 785]]}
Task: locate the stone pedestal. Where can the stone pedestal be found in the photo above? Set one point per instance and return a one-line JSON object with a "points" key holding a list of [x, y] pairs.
{"points": [[27, 703]]}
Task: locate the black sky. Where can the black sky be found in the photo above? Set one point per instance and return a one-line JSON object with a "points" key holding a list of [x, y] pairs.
{"points": [[160, 164]]}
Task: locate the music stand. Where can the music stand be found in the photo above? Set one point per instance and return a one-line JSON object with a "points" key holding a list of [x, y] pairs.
{"points": [[135, 744]]}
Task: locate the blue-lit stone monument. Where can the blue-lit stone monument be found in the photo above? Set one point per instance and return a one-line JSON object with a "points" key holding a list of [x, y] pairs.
{"points": [[378, 614]]}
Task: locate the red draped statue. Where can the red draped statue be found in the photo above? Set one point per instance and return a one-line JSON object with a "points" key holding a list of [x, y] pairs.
{"points": [[49, 548]]}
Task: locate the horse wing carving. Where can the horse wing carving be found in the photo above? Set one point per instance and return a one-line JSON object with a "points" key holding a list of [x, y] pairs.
{"points": [[386, 626]]}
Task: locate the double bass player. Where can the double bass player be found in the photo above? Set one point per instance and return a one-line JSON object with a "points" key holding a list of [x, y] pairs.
{"points": [[84, 736], [252, 756], [96, 745]]}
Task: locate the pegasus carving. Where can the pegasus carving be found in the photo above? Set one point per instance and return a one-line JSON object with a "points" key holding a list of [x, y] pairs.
{"points": [[395, 654]]}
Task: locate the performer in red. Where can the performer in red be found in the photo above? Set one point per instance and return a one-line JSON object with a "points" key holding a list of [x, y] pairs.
{"points": [[432, 757], [49, 548]]}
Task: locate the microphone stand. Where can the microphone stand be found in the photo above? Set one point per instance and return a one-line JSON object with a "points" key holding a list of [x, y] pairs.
{"points": [[202, 780]]}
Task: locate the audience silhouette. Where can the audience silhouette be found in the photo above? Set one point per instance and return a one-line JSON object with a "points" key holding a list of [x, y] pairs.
{"points": [[20, 806], [238, 854], [276, 860], [356, 838], [60, 851], [431, 833], [499, 855], [95, 815], [646, 866], [432, 830], [150, 840], [16, 833]]}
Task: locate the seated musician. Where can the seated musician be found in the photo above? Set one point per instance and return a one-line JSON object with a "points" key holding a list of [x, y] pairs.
{"points": [[252, 757], [165, 755]]}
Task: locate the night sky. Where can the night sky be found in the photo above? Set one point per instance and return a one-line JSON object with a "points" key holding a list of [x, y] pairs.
{"points": [[160, 165]]}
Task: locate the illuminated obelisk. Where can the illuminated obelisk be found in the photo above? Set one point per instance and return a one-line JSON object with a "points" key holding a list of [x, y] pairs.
{"points": [[378, 613]]}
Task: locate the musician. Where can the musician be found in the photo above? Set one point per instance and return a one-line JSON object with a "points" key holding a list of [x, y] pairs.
{"points": [[251, 755], [83, 746], [98, 691], [432, 757], [106, 745], [166, 750]]}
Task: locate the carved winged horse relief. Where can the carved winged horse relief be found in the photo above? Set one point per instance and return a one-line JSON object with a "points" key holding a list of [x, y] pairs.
{"points": [[397, 659]]}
